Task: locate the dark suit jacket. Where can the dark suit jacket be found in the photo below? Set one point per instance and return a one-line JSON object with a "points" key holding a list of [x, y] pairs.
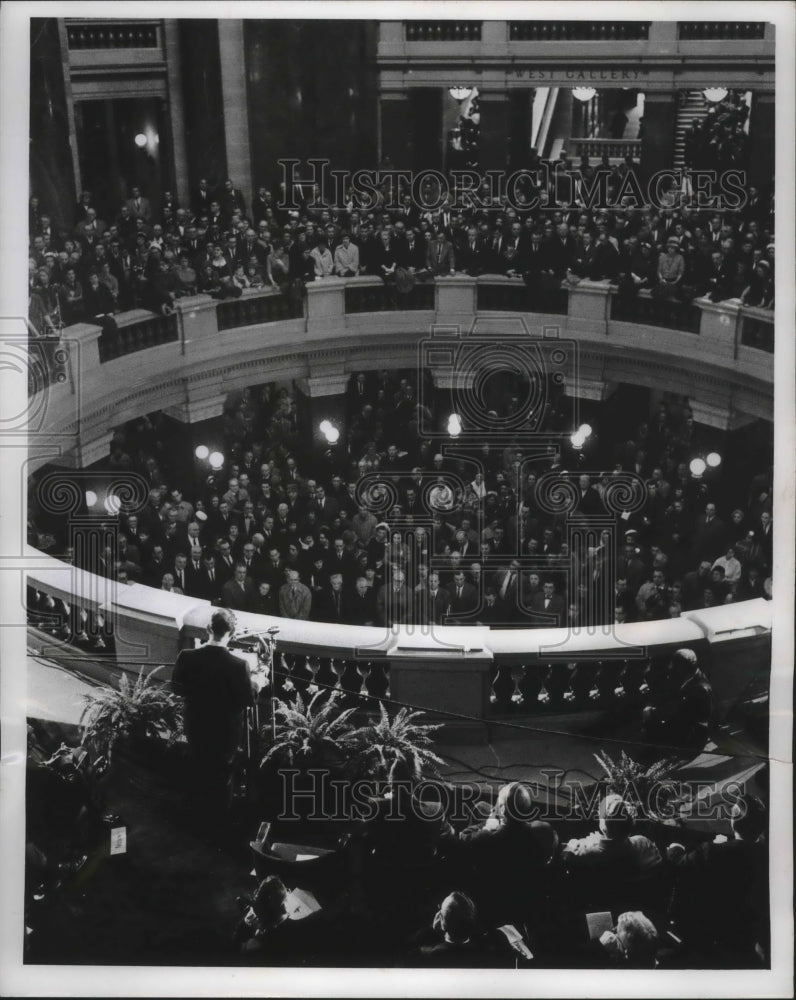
{"points": [[559, 254], [237, 598], [465, 604], [392, 606], [440, 257], [430, 609], [360, 610], [556, 607], [216, 688], [509, 864], [472, 260], [325, 609], [414, 256]]}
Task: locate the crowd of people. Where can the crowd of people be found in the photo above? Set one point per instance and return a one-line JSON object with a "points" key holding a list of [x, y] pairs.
{"points": [[515, 890], [289, 530], [720, 141], [140, 256]]}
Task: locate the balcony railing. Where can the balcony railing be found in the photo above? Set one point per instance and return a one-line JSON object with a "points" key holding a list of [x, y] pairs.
{"points": [[514, 296], [615, 149], [578, 31], [502, 679], [334, 307], [442, 31], [699, 31], [251, 309], [145, 331], [757, 330], [646, 309], [384, 298], [113, 34]]}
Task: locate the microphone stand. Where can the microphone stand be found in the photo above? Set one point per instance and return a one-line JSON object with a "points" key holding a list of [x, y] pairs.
{"points": [[267, 639]]}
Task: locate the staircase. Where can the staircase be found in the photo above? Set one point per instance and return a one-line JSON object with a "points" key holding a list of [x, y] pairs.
{"points": [[694, 108]]}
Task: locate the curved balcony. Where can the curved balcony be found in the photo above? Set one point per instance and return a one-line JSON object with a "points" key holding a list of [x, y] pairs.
{"points": [[468, 676], [719, 355]]}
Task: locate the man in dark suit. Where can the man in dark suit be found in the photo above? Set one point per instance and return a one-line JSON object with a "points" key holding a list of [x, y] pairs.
{"points": [[560, 251], [238, 593], [463, 597], [216, 688], [439, 256], [392, 600], [359, 605], [274, 570], [340, 561], [139, 206], [179, 572], [252, 561], [549, 603], [210, 582], [431, 602], [326, 508], [410, 252], [472, 253], [329, 601], [455, 939], [225, 561], [202, 199], [589, 502], [709, 539], [232, 199], [505, 584], [194, 578], [720, 904], [509, 854]]}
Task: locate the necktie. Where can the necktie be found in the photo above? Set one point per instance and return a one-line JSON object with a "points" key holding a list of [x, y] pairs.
{"points": [[458, 591], [212, 576]]}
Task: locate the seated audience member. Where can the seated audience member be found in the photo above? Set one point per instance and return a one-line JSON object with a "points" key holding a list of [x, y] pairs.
{"points": [[606, 864], [632, 944], [401, 824], [509, 854], [455, 938], [720, 905], [266, 935], [680, 713]]}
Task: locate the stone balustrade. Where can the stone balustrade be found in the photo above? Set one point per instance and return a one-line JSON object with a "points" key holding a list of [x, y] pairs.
{"points": [[466, 675], [186, 363]]}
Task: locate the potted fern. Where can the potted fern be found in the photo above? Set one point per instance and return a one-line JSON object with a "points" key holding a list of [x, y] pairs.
{"points": [[400, 741], [314, 744], [649, 789], [139, 721]]}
